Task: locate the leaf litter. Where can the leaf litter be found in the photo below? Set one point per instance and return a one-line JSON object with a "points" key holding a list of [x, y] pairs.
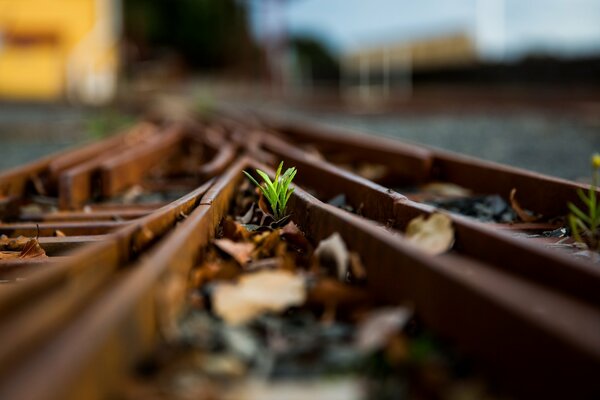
{"points": [[20, 248], [273, 315], [433, 235]]}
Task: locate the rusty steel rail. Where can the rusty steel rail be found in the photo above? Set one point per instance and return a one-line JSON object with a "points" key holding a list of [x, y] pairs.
{"points": [[114, 286], [477, 240], [537, 192], [100, 240]]}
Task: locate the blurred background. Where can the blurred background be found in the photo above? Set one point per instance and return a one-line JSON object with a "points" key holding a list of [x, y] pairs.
{"points": [[510, 81]]}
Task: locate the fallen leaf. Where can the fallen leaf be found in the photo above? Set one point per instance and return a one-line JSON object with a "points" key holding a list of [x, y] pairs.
{"points": [[132, 194], [247, 218], [257, 293], [524, 215], [13, 244], [433, 235], [266, 263], [331, 291], [331, 389], [279, 223], [216, 270], [239, 251], [38, 185], [356, 267], [264, 207], [233, 230], [445, 189], [270, 245], [332, 255], [293, 235], [9, 255], [32, 250], [371, 172], [375, 331]]}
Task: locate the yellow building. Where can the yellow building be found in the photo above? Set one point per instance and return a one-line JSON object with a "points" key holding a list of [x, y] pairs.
{"points": [[59, 49], [376, 72]]}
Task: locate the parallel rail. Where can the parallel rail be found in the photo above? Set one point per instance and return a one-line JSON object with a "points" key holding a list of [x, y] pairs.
{"points": [[76, 322]]}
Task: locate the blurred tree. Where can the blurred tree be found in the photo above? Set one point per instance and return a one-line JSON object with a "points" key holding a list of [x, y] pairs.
{"points": [[315, 59], [208, 34]]}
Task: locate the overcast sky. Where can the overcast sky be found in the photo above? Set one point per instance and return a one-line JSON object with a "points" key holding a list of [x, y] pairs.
{"points": [[501, 27]]}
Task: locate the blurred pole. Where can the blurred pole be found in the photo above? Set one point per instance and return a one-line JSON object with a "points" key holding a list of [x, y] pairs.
{"points": [[364, 78], [386, 73]]}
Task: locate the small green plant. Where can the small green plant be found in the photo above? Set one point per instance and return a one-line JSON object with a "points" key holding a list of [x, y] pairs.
{"points": [[276, 192], [585, 226]]}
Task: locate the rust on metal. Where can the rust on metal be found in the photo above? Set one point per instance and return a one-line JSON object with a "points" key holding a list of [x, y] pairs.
{"points": [[116, 274]]}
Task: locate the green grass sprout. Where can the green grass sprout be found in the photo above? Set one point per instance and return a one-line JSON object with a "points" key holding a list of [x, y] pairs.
{"points": [[278, 191], [585, 226]]}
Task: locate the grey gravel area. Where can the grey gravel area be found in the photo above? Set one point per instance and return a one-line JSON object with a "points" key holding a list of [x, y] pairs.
{"points": [[31, 131], [557, 145], [28, 132]]}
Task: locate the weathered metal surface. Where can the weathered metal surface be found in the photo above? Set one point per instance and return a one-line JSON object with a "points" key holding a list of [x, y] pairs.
{"points": [[76, 325], [540, 193], [124, 321], [410, 162], [487, 311], [474, 239], [49, 228], [43, 302], [111, 215], [66, 161], [127, 168], [25, 266], [60, 245]]}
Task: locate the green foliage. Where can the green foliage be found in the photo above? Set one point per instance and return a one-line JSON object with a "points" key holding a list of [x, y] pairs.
{"points": [[206, 34], [585, 225], [316, 60], [106, 123], [278, 191]]}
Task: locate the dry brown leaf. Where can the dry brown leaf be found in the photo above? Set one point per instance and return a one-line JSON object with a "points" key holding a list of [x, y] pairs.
{"points": [[247, 218], [356, 267], [240, 252], [9, 255], [264, 207], [32, 250], [434, 235], [332, 254], [215, 270], [233, 230], [13, 244], [523, 215], [269, 246], [288, 263], [325, 389], [265, 263], [375, 331], [132, 193], [293, 235], [257, 293], [38, 185], [371, 172], [331, 291], [444, 189]]}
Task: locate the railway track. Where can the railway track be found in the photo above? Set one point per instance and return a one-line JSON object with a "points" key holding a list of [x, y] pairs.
{"points": [[123, 222]]}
